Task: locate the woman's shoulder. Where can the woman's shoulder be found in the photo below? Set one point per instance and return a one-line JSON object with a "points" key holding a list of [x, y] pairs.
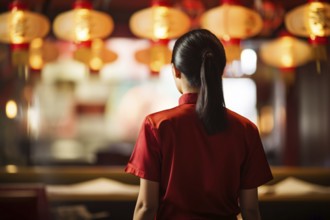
{"points": [[161, 116], [239, 120], [167, 115]]}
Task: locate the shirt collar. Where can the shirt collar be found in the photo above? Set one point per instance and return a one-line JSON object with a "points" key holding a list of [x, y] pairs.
{"points": [[188, 98]]}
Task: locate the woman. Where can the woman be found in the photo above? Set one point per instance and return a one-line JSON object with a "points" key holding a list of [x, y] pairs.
{"points": [[198, 160]]}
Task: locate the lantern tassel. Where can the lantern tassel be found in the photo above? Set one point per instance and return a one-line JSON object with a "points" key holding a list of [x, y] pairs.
{"points": [[319, 51], [320, 54]]}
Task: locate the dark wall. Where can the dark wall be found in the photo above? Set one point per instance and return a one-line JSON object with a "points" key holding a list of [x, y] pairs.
{"points": [[313, 93]]}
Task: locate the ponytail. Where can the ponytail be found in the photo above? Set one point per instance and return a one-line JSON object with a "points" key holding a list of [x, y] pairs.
{"points": [[210, 103], [200, 56]]}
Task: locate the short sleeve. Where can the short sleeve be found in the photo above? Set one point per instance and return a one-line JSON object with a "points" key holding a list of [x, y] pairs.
{"points": [[145, 161], [255, 170]]}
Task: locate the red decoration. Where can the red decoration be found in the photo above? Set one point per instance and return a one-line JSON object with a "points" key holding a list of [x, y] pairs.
{"points": [[272, 14], [318, 40], [165, 3], [230, 2], [194, 9], [82, 4], [17, 5]]}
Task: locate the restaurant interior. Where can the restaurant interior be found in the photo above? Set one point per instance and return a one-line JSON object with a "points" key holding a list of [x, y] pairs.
{"points": [[77, 78]]}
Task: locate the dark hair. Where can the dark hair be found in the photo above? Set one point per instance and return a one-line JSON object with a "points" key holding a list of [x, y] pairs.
{"points": [[200, 56]]}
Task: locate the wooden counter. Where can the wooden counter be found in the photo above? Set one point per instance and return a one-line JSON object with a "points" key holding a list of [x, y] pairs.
{"points": [[272, 206], [72, 175], [65, 175]]}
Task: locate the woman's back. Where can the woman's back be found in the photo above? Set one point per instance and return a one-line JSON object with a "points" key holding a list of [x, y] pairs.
{"points": [[201, 174], [195, 161]]}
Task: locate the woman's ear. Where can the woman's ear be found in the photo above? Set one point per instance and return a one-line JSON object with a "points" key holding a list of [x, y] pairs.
{"points": [[177, 78], [176, 72]]}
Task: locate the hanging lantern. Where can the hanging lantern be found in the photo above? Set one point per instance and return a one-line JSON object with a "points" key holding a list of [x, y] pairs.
{"points": [[311, 20], [20, 26], [160, 21], [86, 27], [41, 52], [82, 23], [156, 56], [94, 55], [230, 20], [286, 52]]}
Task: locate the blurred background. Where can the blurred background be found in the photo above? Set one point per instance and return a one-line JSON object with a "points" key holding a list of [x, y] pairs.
{"points": [[56, 108], [77, 78]]}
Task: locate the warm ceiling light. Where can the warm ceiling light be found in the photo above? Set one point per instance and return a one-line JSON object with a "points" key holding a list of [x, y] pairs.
{"points": [[249, 61], [82, 23], [11, 109], [20, 26]]}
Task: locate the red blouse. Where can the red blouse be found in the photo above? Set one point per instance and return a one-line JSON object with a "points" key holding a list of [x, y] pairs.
{"points": [[200, 175]]}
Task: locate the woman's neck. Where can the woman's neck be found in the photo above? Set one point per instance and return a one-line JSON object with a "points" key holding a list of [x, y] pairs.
{"points": [[186, 87], [190, 90]]}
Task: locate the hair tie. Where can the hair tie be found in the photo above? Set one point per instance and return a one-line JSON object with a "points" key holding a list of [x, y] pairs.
{"points": [[207, 54]]}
